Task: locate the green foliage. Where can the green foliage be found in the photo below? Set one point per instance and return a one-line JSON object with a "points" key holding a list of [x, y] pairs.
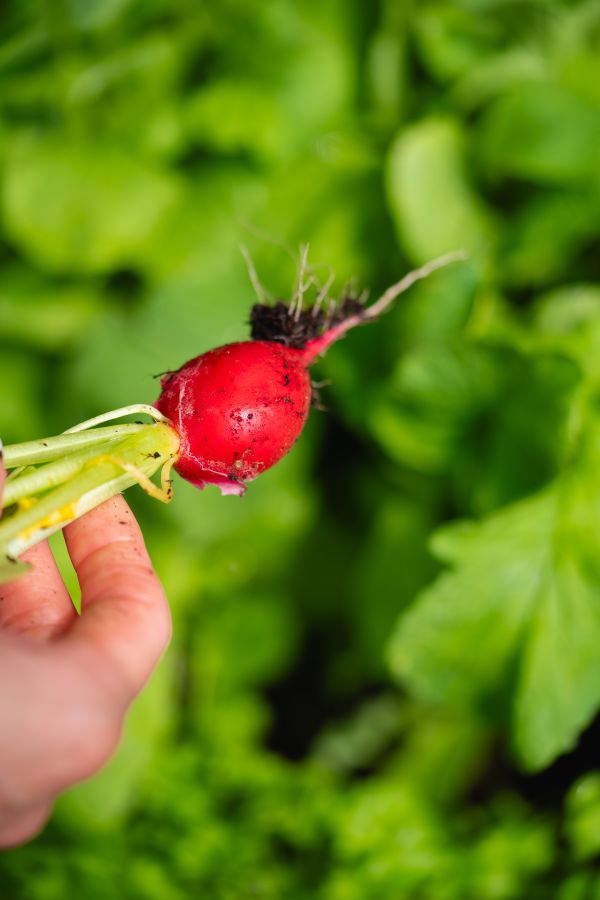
{"points": [[386, 657], [429, 193]]}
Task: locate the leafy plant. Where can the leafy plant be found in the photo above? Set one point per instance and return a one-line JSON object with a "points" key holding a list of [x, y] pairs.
{"points": [[384, 676]]}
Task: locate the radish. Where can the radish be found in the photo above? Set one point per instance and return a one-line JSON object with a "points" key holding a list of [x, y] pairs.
{"points": [[223, 418], [239, 408]]}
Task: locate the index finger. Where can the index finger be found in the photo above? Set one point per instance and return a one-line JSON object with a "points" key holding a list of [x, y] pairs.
{"points": [[125, 623], [36, 604]]}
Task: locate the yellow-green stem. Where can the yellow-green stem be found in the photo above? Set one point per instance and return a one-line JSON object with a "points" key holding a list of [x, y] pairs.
{"points": [[54, 495]]}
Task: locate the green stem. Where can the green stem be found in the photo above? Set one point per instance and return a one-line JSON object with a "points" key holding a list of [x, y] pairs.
{"points": [[34, 452], [135, 409], [46, 477], [88, 480]]}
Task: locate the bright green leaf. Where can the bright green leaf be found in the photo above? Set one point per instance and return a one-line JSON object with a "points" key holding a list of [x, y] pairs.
{"points": [[515, 625], [582, 825], [82, 207], [431, 200], [45, 316], [541, 132]]}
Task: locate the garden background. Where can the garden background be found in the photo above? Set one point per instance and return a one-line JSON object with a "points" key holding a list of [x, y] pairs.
{"points": [[385, 671]]}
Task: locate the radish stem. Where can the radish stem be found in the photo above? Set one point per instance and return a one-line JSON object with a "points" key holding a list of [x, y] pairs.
{"points": [[72, 486], [319, 345], [388, 297], [134, 409], [46, 477], [57, 447]]}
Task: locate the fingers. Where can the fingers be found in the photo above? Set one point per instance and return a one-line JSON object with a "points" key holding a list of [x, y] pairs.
{"points": [[63, 701], [36, 604], [125, 623], [23, 826], [56, 729]]}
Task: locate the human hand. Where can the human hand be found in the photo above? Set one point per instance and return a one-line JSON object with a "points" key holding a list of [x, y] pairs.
{"points": [[66, 682]]}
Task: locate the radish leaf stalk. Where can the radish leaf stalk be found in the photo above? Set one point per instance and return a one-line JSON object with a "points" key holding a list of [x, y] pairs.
{"points": [[42, 500]]}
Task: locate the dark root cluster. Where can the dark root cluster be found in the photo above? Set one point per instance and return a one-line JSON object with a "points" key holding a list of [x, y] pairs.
{"points": [[279, 324], [276, 323]]}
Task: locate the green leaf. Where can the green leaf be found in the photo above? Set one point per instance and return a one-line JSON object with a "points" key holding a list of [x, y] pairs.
{"points": [[491, 419], [569, 317], [21, 398], [452, 40], [253, 122], [419, 416], [44, 315], [514, 628], [82, 207], [568, 309], [458, 640], [541, 132], [392, 567], [580, 886], [497, 73], [433, 205], [548, 233], [386, 67], [91, 14], [582, 824], [244, 642]]}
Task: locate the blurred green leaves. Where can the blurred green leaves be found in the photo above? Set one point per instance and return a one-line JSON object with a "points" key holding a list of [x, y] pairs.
{"points": [[408, 606], [435, 209], [101, 212], [541, 134], [512, 629], [45, 315], [509, 629]]}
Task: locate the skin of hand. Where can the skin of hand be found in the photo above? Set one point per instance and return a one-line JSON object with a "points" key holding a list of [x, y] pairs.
{"points": [[67, 681]]}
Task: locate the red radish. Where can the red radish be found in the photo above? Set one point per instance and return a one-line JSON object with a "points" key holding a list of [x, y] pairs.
{"points": [[239, 408]]}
